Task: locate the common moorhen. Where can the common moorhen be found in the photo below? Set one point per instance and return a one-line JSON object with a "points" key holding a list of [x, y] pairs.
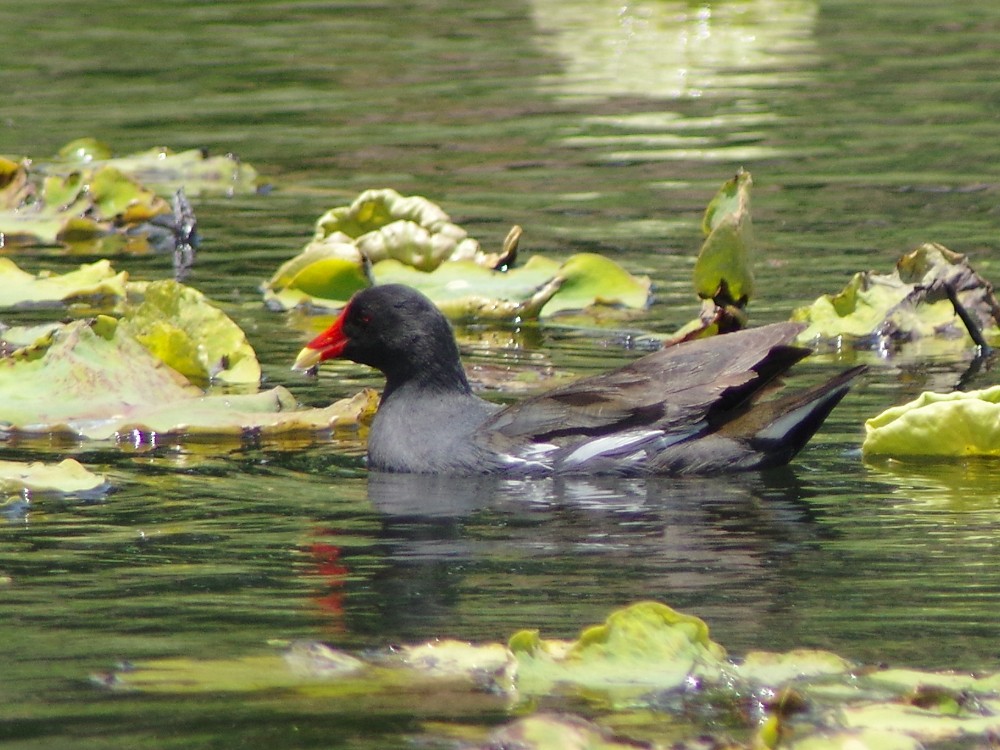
{"points": [[688, 408]]}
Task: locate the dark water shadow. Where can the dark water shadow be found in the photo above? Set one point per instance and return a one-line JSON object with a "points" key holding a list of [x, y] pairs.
{"points": [[546, 547]]}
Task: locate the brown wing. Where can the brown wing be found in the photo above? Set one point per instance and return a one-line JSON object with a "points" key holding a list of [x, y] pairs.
{"points": [[703, 381]]}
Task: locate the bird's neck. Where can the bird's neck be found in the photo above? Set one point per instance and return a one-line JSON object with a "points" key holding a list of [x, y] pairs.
{"points": [[437, 377]]}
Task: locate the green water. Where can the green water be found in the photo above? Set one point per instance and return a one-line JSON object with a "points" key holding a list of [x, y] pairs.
{"points": [[869, 128]]}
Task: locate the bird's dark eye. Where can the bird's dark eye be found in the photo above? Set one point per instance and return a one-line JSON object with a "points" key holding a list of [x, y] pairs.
{"points": [[364, 318]]}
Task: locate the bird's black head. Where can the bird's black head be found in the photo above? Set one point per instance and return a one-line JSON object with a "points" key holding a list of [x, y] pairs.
{"points": [[396, 330]]}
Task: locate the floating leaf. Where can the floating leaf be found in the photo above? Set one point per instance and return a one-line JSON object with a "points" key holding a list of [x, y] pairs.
{"points": [[384, 237], [723, 271], [90, 281], [466, 289], [938, 424], [180, 327], [66, 477], [588, 279], [772, 669], [326, 274], [927, 725], [640, 648], [94, 380], [323, 277], [384, 224], [76, 207], [556, 732], [910, 303], [674, 681], [864, 739], [160, 168]]}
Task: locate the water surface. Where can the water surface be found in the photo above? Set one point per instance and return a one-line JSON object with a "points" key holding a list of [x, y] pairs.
{"points": [[869, 128]]}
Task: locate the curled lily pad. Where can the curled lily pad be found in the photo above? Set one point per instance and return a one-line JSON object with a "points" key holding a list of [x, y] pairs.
{"points": [[938, 424], [93, 281], [323, 277], [640, 648], [163, 170], [383, 237], [384, 224], [723, 271], [68, 477], [180, 327], [910, 303]]}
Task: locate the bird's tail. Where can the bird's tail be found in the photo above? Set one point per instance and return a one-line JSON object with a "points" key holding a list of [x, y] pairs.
{"points": [[779, 429]]}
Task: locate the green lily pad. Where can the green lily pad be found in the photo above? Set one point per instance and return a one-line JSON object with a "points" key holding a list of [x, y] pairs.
{"points": [[326, 274], [178, 325], [938, 424], [927, 725], [668, 683], [162, 169], [384, 224], [68, 477], [723, 271], [384, 237], [466, 289], [92, 379], [93, 281], [866, 739], [589, 279], [773, 669], [909, 303], [322, 277], [556, 732], [640, 648], [76, 207]]}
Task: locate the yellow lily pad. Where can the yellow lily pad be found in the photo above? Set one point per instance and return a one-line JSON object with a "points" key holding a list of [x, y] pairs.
{"points": [[909, 303], [66, 477], [160, 168], [639, 648], [384, 224], [75, 207], [92, 281], [180, 327], [938, 424]]}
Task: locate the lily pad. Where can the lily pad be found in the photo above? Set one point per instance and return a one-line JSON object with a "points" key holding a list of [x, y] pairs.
{"points": [[640, 648], [383, 237], [91, 282], [910, 303], [76, 207], [557, 732], [723, 271], [674, 683], [68, 477], [92, 379], [162, 169], [773, 669], [321, 277], [178, 325], [384, 224], [465, 289], [326, 274], [938, 424]]}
